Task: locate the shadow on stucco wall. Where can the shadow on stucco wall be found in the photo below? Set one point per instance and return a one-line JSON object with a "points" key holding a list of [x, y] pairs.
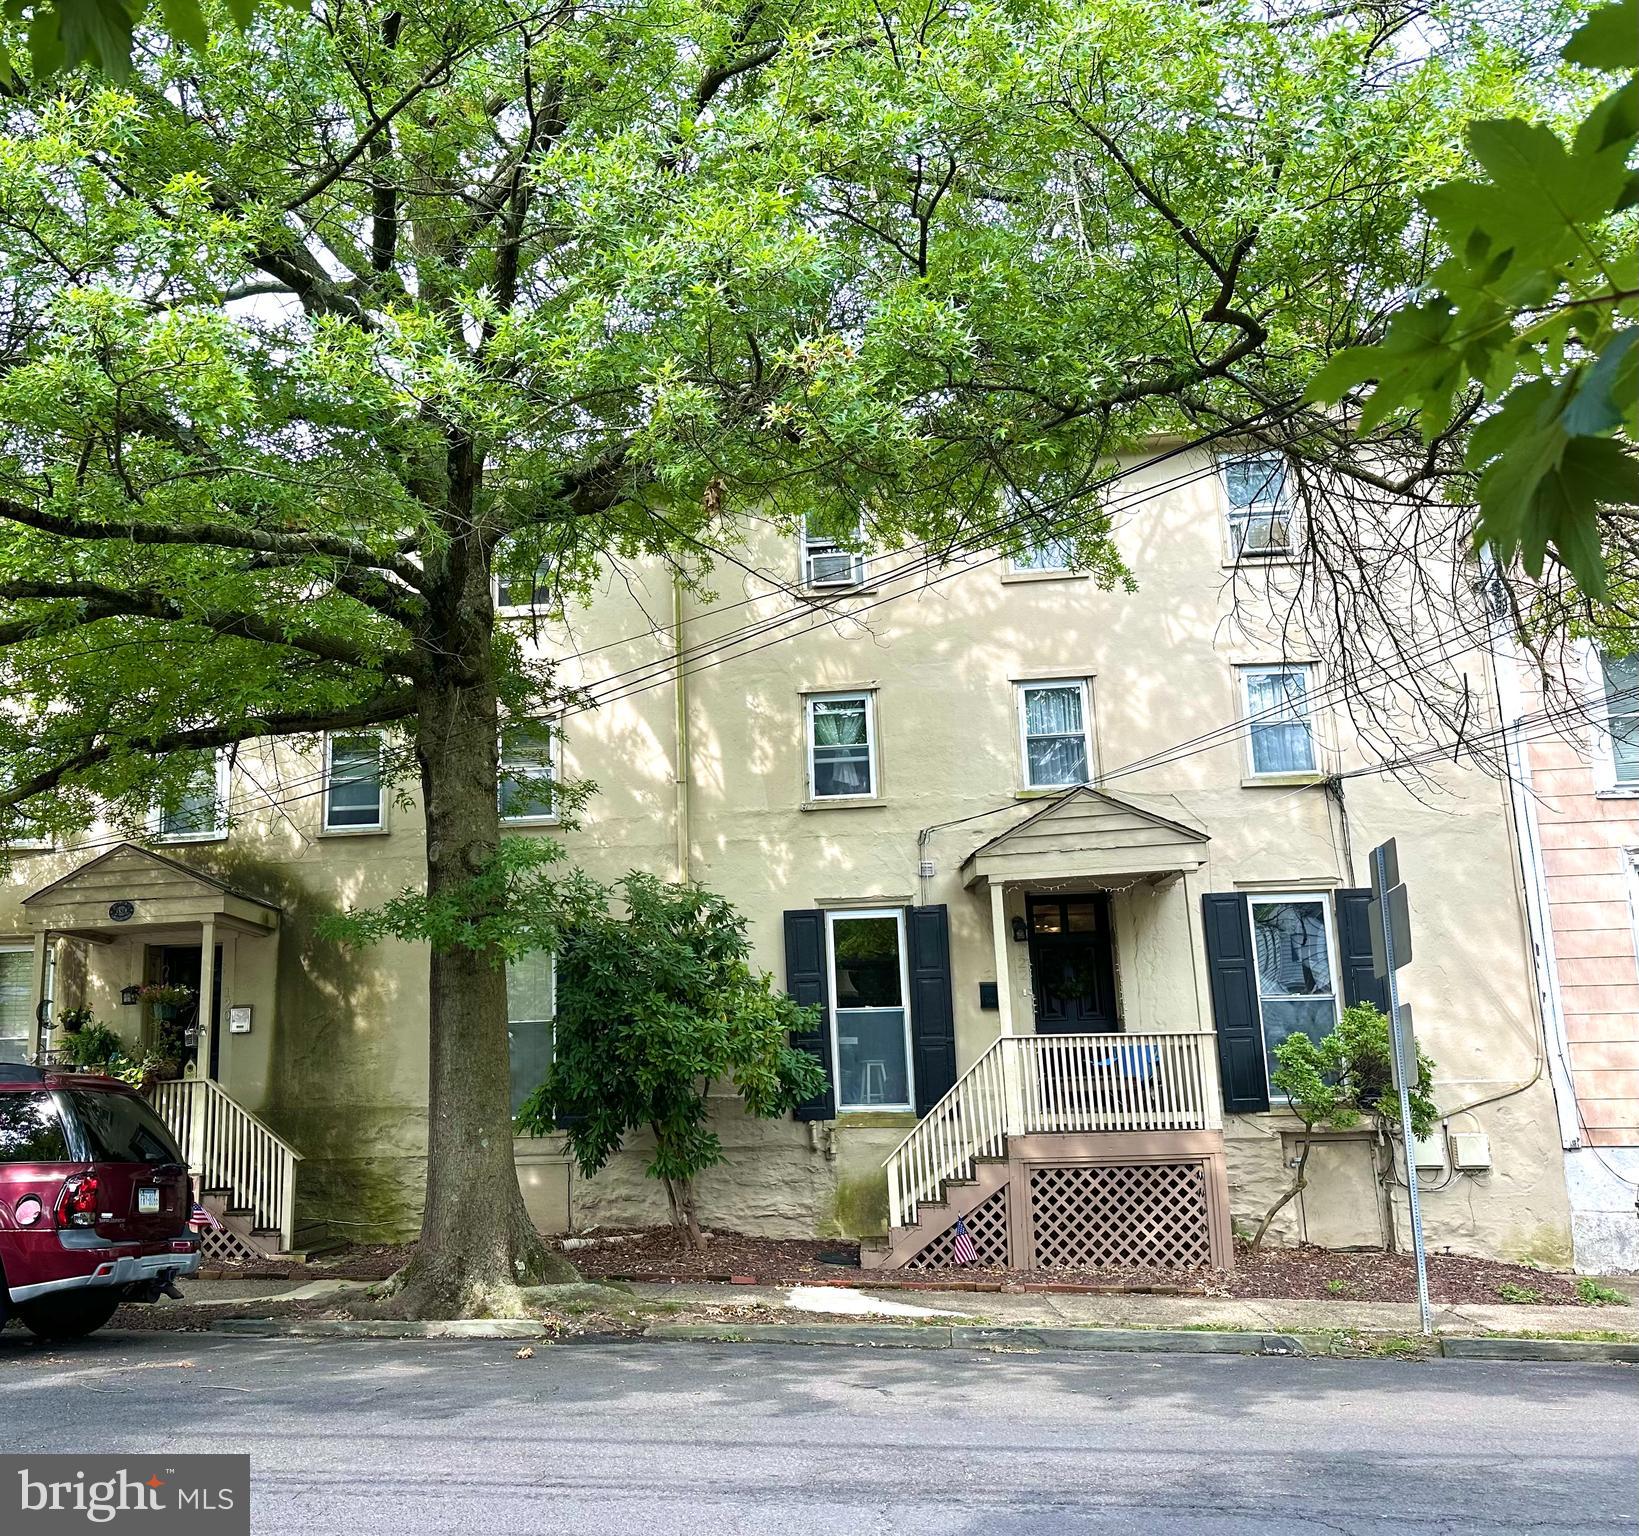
{"points": [[342, 1074]]}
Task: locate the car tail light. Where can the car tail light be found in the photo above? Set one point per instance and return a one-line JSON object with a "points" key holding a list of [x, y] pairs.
{"points": [[77, 1204]]}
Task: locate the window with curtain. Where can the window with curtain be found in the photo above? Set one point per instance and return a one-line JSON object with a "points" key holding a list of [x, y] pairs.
{"points": [[526, 778], [353, 799], [868, 1012], [1291, 943], [1259, 511], [531, 1004], [16, 1016], [1053, 724], [201, 813], [841, 761], [1280, 726], [1621, 677]]}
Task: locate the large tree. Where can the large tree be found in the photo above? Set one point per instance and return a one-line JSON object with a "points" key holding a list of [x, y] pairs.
{"points": [[307, 336]]}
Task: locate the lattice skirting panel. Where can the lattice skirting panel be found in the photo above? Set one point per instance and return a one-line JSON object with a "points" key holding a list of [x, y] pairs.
{"points": [[1120, 1216], [223, 1246], [986, 1225]]}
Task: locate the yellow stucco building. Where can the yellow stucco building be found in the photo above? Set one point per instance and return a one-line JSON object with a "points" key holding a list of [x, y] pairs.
{"points": [[1060, 864]]}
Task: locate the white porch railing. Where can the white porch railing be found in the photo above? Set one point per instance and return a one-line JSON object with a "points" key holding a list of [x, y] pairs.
{"points": [[227, 1147], [1029, 1084]]}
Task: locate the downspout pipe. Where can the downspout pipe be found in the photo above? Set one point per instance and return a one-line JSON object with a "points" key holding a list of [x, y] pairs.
{"points": [[680, 697], [1505, 674]]}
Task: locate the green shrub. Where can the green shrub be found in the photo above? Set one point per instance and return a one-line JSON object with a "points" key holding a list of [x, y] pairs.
{"points": [[1592, 1294], [654, 1007]]}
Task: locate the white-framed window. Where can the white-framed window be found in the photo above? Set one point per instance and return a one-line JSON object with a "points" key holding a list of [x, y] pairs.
{"points": [[523, 594], [23, 838], [1260, 507], [870, 1017], [1619, 719], [841, 746], [1293, 949], [828, 562], [27, 840], [526, 790], [531, 1007], [1633, 898], [201, 814], [1055, 732], [1043, 555], [355, 793], [16, 1003], [1279, 714]]}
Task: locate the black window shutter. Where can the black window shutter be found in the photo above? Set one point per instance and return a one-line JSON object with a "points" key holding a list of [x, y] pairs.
{"points": [[1235, 1002], [933, 1018], [1354, 939], [805, 981]]}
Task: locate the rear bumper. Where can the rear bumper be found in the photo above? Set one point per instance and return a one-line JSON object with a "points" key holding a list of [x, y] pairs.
{"points": [[127, 1269]]}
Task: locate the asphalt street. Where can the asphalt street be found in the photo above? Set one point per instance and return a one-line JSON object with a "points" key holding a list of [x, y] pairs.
{"points": [[439, 1437]]}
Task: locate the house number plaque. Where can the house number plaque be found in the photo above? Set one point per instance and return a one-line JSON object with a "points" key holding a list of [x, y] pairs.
{"points": [[121, 911]]}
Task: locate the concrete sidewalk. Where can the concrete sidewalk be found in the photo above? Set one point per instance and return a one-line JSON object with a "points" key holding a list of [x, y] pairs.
{"points": [[1064, 1309], [820, 1304]]}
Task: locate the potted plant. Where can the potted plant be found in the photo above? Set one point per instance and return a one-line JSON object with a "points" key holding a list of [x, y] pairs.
{"points": [[72, 1020], [92, 1047], [166, 998]]}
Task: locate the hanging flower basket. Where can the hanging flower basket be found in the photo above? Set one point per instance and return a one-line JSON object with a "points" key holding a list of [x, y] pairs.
{"points": [[165, 999]]}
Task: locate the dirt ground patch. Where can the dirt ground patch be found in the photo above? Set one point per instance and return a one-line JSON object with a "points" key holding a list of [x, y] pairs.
{"points": [[1290, 1274]]}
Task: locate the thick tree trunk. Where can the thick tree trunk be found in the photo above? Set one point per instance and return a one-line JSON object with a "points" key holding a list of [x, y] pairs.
{"points": [[477, 1245]]}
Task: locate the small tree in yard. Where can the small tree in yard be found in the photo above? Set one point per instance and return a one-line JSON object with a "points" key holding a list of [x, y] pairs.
{"points": [[653, 1009], [1332, 1083]]}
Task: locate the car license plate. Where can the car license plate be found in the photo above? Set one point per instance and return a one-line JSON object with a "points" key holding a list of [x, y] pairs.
{"points": [[148, 1200]]}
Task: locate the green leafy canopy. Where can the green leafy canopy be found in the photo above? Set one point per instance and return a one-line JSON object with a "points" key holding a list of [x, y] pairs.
{"points": [[1334, 1081], [1537, 305]]}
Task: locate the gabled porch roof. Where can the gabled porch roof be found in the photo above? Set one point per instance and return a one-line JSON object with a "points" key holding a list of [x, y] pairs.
{"points": [[1091, 834], [160, 892]]}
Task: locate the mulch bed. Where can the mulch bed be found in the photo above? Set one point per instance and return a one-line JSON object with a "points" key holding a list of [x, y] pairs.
{"points": [[1322, 1274], [1291, 1274], [363, 1262]]}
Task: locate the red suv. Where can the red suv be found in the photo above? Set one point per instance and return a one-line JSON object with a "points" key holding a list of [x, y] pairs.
{"points": [[94, 1201]]}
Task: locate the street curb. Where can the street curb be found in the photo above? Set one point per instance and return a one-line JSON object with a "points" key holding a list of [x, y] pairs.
{"points": [[335, 1328], [913, 1336], [872, 1335], [1161, 1341], [1170, 1341], [1540, 1349]]}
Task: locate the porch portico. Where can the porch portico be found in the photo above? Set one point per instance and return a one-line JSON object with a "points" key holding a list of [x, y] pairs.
{"points": [[1090, 1132], [144, 917]]}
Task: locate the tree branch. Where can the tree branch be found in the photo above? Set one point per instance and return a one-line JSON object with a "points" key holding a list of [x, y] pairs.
{"points": [[380, 709], [218, 535], [99, 601]]}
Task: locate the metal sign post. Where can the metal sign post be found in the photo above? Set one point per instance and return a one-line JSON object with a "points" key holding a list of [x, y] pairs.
{"points": [[1391, 930]]}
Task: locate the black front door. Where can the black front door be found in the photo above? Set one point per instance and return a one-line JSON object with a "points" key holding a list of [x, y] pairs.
{"points": [[1072, 964], [185, 1032]]}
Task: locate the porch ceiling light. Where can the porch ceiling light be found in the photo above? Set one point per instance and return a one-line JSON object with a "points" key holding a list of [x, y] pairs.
{"points": [[1020, 932]]}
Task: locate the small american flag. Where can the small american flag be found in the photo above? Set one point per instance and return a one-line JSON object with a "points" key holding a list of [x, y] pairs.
{"points": [[203, 1219], [962, 1250]]}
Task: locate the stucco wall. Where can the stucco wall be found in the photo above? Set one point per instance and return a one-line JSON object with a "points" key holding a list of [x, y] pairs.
{"points": [[337, 1061]]}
